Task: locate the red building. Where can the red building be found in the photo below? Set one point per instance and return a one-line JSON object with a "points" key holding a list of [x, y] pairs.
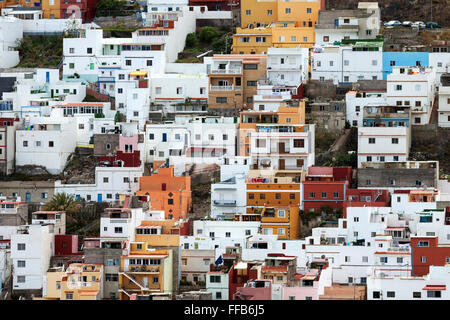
{"points": [[86, 9], [427, 252], [330, 186], [217, 5], [66, 245], [123, 159]]}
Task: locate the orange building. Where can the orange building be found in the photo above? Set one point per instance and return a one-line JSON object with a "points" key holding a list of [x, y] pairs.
{"points": [[151, 265], [282, 221], [273, 188], [167, 192], [7, 3]]}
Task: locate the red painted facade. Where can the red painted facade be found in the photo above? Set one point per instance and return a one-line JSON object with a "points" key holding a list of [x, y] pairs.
{"points": [[7, 121], [328, 186], [425, 256], [236, 281], [129, 159], [86, 7], [66, 245]]}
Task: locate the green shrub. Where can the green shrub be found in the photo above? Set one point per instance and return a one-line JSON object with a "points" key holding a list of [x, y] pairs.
{"points": [[191, 40], [207, 34]]}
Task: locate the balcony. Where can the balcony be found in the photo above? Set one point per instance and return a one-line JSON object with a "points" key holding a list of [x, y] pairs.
{"points": [[221, 88], [106, 79], [225, 203], [227, 71]]}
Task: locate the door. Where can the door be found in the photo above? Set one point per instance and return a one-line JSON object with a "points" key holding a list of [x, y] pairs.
{"points": [[99, 197], [47, 77], [281, 164], [281, 147], [28, 197]]}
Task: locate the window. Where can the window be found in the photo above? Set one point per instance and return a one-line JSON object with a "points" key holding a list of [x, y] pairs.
{"points": [[347, 258], [281, 214], [25, 143], [118, 230], [371, 140], [21, 246], [214, 279], [433, 294], [423, 259], [281, 231], [71, 65], [44, 195], [392, 63], [324, 195], [394, 140], [417, 294], [326, 38], [312, 194], [21, 264], [376, 294], [398, 87], [288, 10], [51, 144], [38, 143], [20, 279], [262, 196], [423, 244], [89, 50], [374, 62], [248, 12], [211, 234], [369, 158], [128, 62], [218, 295], [269, 12], [105, 179], [71, 50], [221, 100], [299, 143], [260, 143], [251, 196], [390, 294], [170, 201], [292, 196], [228, 234], [365, 259], [346, 62], [308, 10], [149, 63], [248, 66]]}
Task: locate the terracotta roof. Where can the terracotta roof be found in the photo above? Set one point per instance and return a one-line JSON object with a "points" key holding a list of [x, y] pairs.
{"points": [[434, 287], [320, 171]]}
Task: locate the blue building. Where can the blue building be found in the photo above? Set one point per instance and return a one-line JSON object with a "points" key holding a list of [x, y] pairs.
{"points": [[403, 59], [386, 116]]}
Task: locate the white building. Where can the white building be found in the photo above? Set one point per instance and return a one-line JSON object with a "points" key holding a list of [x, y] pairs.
{"points": [[287, 66], [120, 223], [336, 25], [11, 31], [31, 249], [355, 102], [225, 229], [383, 144], [444, 107], [349, 63], [404, 202], [440, 61], [432, 223], [433, 286], [217, 284], [45, 141], [229, 197], [109, 183], [414, 87]]}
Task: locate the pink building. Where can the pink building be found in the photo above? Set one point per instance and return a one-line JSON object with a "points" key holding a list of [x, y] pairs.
{"points": [[255, 290]]}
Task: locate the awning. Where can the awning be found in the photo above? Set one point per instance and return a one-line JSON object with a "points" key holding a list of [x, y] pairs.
{"points": [[241, 266], [138, 73], [434, 287], [310, 277]]}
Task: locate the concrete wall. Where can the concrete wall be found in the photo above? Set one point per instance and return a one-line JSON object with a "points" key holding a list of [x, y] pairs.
{"points": [[380, 178]]}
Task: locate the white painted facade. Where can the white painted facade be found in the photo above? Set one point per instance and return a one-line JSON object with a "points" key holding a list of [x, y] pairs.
{"points": [[11, 31], [229, 197], [48, 144], [383, 144], [440, 61], [121, 228], [400, 204], [109, 183], [355, 103], [217, 284], [444, 107], [31, 251], [225, 229], [415, 87], [410, 288], [342, 64], [287, 66]]}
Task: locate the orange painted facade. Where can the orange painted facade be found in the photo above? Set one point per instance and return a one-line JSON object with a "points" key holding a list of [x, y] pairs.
{"points": [[282, 221], [167, 192]]}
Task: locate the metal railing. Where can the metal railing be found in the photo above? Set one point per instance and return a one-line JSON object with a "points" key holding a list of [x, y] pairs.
{"points": [[227, 71]]}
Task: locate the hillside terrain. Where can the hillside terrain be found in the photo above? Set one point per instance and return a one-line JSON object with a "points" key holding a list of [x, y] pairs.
{"points": [[411, 10]]}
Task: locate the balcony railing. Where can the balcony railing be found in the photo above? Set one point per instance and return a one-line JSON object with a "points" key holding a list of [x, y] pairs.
{"points": [[106, 79], [221, 88], [227, 71], [225, 203]]}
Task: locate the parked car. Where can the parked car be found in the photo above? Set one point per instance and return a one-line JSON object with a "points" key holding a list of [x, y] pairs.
{"points": [[393, 23], [419, 24], [432, 25], [407, 23]]}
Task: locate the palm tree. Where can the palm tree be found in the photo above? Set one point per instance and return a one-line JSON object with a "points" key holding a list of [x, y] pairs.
{"points": [[62, 202]]}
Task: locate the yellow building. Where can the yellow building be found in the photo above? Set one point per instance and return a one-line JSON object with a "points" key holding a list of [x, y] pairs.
{"points": [[78, 282], [284, 34], [264, 12], [282, 221], [149, 266], [276, 23], [7, 3], [51, 9]]}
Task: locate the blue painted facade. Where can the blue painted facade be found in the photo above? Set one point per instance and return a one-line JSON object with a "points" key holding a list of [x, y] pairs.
{"points": [[403, 59], [388, 122]]}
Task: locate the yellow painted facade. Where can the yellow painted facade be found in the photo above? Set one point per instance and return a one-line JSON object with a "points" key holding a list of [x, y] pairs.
{"points": [[79, 282], [285, 115], [51, 9], [282, 221], [276, 23]]}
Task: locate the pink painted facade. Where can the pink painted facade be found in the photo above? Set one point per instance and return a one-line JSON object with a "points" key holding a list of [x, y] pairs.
{"points": [[300, 293], [254, 290], [126, 142]]}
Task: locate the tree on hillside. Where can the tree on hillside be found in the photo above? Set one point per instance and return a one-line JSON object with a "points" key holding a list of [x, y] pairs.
{"points": [[207, 34], [62, 202]]}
